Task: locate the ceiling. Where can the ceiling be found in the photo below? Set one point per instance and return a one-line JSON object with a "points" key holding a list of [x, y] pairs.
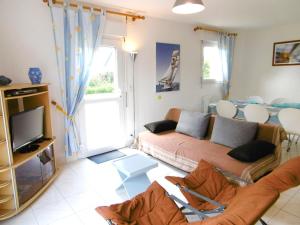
{"points": [[220, 13]]}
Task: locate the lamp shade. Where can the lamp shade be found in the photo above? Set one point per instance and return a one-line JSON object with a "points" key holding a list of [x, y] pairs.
{"points": [[188, 6]]}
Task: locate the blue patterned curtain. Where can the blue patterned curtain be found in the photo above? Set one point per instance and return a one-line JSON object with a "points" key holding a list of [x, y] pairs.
{"points": [[77, 33], [226, 48]]}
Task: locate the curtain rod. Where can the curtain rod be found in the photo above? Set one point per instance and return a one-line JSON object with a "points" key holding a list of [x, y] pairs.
{"points": [[98, 9], [214, 30]]}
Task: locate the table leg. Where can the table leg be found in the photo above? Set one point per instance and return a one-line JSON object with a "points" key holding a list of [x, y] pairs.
{"points": [[134, 185]]}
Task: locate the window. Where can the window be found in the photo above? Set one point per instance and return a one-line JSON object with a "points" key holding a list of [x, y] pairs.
{"points": [[103, 72], [211, 69]]}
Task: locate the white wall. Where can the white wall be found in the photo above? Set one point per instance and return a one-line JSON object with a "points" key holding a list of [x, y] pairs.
{"points": [[253, 73], [26, 40], [145, 34]]}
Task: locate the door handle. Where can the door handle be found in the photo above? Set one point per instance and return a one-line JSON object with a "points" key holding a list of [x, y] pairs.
{"points": [[126, 99]]}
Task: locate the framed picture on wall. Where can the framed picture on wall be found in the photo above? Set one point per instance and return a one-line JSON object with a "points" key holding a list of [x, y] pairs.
{"points": [[286, 53], [167, 67]]}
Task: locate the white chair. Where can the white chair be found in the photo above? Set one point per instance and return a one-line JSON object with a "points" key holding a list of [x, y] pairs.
{"points": [[279, 101], [290, 121], [256, 113], [256, 99], [226, 109]]}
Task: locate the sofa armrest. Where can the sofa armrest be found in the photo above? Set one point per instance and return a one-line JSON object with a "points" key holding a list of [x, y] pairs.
{"points": [[274, 134], [173, 114]]}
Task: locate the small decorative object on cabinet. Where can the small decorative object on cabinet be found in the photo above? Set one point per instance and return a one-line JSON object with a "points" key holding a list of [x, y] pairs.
{"points": [[24, 176], [35, 75], [4, 80]]}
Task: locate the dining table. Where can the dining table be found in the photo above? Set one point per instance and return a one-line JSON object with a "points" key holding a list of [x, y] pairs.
{"points": [[273, 110]]}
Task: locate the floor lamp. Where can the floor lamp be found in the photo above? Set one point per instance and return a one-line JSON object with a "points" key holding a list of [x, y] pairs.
{"points": [[133, 56]]}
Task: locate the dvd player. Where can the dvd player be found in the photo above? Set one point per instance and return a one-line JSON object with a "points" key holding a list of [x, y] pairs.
{"points": [[18, 92]]}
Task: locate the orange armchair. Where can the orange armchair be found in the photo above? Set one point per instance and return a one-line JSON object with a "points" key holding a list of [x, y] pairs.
{"points": [[153, 207], [239, 205]]}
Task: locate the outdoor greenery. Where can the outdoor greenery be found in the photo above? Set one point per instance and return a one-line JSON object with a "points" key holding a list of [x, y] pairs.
{"points": [[206, 70], [101, 83]]}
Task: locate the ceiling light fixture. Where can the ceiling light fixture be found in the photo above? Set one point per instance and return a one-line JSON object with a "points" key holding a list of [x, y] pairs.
{"points": [[188, 6]]}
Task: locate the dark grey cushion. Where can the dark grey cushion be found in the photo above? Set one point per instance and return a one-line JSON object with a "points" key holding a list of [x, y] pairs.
{"points": [[193, 124], [160, 126], [252, 151], [233, 133]]}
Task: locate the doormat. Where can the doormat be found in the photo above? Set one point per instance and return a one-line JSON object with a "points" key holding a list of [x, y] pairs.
{"points": [[104, 157]]}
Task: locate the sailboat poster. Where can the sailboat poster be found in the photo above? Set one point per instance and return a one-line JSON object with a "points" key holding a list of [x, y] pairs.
{"points": [[167, 67]]}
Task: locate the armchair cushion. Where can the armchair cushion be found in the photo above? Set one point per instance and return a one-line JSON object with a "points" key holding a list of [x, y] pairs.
{"points": [[207, 181], [153, 207]]}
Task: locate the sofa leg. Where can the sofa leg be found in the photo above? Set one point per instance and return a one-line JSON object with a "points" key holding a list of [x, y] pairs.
{"points": [[262, 222]]}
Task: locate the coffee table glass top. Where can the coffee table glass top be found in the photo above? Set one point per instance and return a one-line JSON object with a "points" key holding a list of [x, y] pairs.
{"points": [[134, 164]]}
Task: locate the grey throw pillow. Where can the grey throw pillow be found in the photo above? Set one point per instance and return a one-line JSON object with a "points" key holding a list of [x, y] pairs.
{"points": [[193, 124], [233, 133]]}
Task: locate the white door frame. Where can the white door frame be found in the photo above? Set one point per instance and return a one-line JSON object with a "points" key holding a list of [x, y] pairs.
{"points": [[121, 96]]}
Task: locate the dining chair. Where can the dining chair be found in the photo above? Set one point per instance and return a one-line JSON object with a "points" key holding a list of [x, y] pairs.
{"points": [[290, 120], [226, 109], [255, 99], [279, 101], [206, 100], [256, 113]]}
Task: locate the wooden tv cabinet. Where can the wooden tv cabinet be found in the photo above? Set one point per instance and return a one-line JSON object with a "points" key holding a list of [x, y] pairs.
{"points": [[24, 176]]}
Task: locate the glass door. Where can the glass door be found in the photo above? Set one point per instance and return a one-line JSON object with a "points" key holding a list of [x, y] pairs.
{"points": [[103, 115]]}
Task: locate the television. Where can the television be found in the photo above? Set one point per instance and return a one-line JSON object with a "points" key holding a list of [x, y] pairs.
{"points": [[26, 127]]}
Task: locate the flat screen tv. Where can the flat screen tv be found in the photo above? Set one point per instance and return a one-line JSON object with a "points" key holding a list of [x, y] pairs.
{"points": [[26, 127]]}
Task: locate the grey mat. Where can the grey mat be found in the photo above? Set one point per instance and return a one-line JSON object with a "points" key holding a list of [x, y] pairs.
{"points": [[104, 157]]}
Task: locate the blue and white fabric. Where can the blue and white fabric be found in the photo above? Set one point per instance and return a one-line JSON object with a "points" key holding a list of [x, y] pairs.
{"points": [[226, 49], [77, 33]]}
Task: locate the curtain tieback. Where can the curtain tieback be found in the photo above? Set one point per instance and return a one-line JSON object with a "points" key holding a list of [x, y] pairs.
{"points": [[61, 109]]}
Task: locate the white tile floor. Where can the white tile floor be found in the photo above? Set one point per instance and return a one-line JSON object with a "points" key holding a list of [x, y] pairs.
{"points": [[83, 185]]}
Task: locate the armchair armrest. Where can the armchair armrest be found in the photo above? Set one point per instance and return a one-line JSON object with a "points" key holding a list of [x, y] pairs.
{"points": [[109, 222], [231, 176], [187, 206], [213, 202]]}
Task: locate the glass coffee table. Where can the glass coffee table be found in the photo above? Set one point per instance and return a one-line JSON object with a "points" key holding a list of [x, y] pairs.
{"points": [[133, 172]]}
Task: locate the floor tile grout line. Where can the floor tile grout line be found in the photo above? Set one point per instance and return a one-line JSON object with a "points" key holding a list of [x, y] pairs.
{"points": [[34, 217], [75, 194], [63, 199], [275, 213], [292, 214], [55, 219]]}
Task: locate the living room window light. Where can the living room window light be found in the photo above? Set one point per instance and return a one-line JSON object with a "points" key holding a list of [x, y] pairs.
{"points": [[211, 68], [102, 115]]}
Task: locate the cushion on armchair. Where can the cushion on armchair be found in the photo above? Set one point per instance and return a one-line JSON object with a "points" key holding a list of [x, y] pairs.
{"points": [[206, 180], [152, 207]]}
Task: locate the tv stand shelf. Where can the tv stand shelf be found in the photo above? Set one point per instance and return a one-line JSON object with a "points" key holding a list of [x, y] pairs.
{"points": [[24, 176], [21, 158], [26, 95]]}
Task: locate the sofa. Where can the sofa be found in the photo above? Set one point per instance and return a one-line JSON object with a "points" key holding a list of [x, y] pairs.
{"points": [[184, 152]]}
